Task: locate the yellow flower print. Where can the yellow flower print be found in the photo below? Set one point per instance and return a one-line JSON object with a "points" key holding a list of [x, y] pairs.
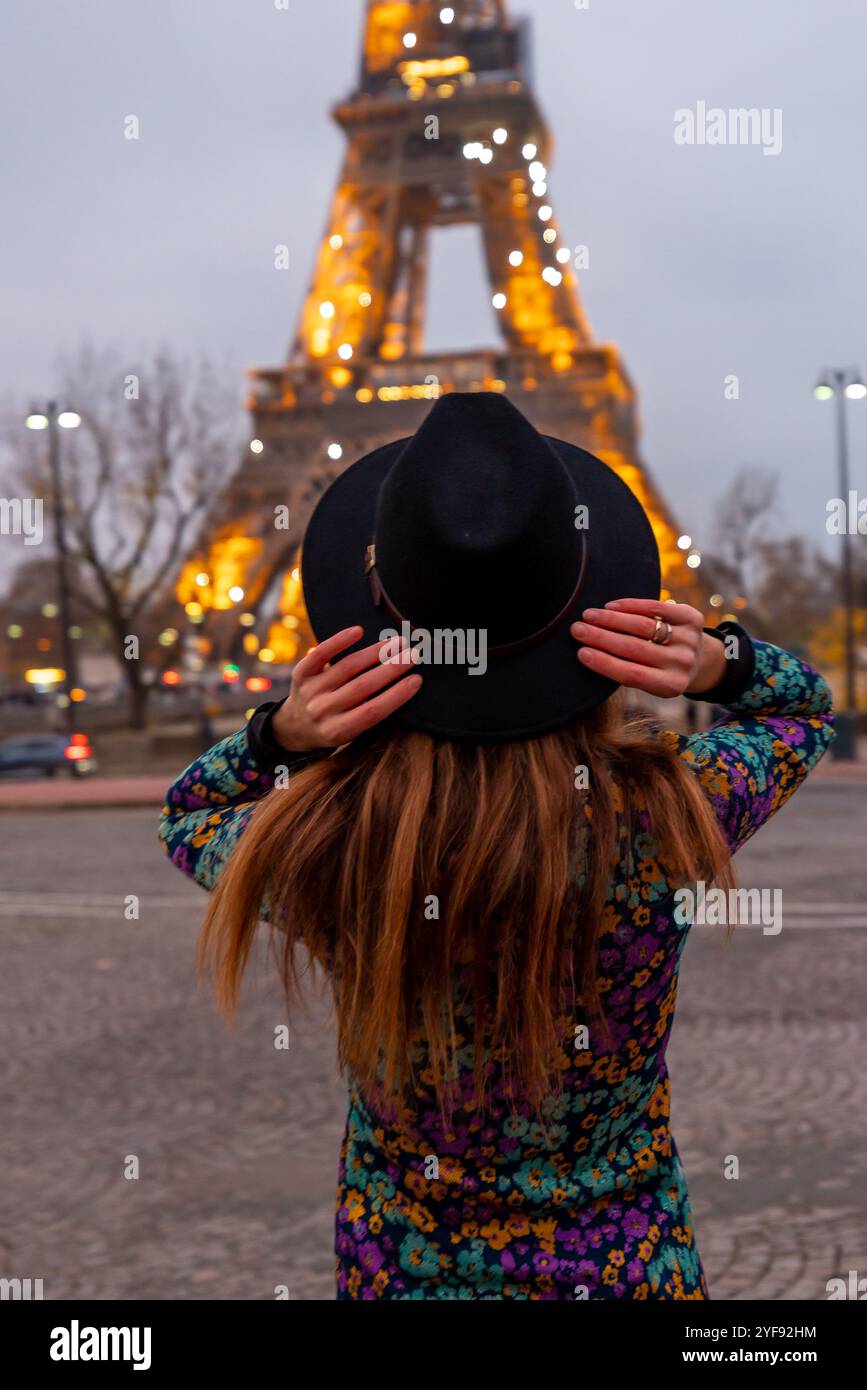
{"points": [[661, 1140], [545, 1231], [421, 1218], [649, 871], [658, 1102], [452, 1171], [497, 1236], [355, 1207], [418, 1183]]}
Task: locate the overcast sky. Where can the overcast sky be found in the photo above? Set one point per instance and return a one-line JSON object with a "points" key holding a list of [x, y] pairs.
{"points": [[705, 261]]}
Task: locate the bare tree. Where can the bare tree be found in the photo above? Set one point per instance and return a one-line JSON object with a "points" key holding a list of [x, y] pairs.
{"points": [[155, 447], [742, 524], [795, 590]]}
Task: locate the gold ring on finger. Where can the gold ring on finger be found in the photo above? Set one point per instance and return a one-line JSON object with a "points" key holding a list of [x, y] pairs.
{"points": [[661, 633]]}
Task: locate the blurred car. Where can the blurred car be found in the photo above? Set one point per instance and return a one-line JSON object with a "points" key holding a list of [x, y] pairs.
{"points": [[46, 754]]}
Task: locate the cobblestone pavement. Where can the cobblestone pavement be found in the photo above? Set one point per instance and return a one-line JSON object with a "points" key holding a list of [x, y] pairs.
{"points": [[108, 1050]]}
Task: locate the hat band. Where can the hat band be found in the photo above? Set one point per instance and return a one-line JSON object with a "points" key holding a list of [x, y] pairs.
{"points": [[382, 600]]}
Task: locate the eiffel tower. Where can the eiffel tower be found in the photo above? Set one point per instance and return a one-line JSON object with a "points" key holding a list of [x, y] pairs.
{"points": [[443, 128]]}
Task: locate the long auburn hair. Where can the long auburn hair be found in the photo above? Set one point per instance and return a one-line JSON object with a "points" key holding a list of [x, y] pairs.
{"points": [[407, 865]]}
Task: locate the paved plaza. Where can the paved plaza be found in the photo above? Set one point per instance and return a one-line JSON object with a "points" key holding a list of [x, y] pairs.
{"points": [[110, 1051]]}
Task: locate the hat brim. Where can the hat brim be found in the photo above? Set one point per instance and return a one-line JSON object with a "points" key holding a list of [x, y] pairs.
{"points": [[521, 694]]}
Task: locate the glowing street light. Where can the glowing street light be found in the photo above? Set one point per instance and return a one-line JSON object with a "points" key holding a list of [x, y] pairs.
{"points": [[844, 385], [52, 419]]}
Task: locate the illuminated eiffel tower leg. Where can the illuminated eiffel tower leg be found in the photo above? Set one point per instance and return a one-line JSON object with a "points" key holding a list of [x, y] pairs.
{"points": [[358, 256], [442, 129], [541, 313]]}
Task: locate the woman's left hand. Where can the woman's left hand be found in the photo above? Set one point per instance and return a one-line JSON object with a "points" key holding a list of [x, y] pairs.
{"points": [[331, 702]]}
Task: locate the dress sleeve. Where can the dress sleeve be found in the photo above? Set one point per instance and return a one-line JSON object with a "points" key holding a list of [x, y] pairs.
{"points": [[777, 728], [207, 809]]}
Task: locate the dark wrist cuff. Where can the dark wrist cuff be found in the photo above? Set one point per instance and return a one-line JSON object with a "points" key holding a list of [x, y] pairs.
{"points": [[739, 669], [266, 752]]}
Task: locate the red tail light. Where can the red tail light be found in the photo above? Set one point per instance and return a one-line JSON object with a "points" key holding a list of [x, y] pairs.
{"points": [[80, 739]]}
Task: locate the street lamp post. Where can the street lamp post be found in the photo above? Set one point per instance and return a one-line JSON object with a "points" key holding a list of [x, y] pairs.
{"points": [[845, 385], [52, 421]]}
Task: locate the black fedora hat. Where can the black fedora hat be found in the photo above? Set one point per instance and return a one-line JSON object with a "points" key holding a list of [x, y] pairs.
{"points": [[485, 539]]}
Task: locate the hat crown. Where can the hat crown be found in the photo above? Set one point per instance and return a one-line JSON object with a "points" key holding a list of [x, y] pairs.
{"points": [[476, 522]]}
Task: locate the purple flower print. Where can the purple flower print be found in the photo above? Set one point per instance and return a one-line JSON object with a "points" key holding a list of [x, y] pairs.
{"points": [[635, 1224], [370, 1257]]}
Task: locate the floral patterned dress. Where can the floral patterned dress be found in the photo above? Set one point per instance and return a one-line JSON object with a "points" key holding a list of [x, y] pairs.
{"points": [[593, 1204]]}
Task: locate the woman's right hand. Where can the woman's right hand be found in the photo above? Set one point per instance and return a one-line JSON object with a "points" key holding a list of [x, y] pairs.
{"points": [[616, 642], [330, 705]]}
